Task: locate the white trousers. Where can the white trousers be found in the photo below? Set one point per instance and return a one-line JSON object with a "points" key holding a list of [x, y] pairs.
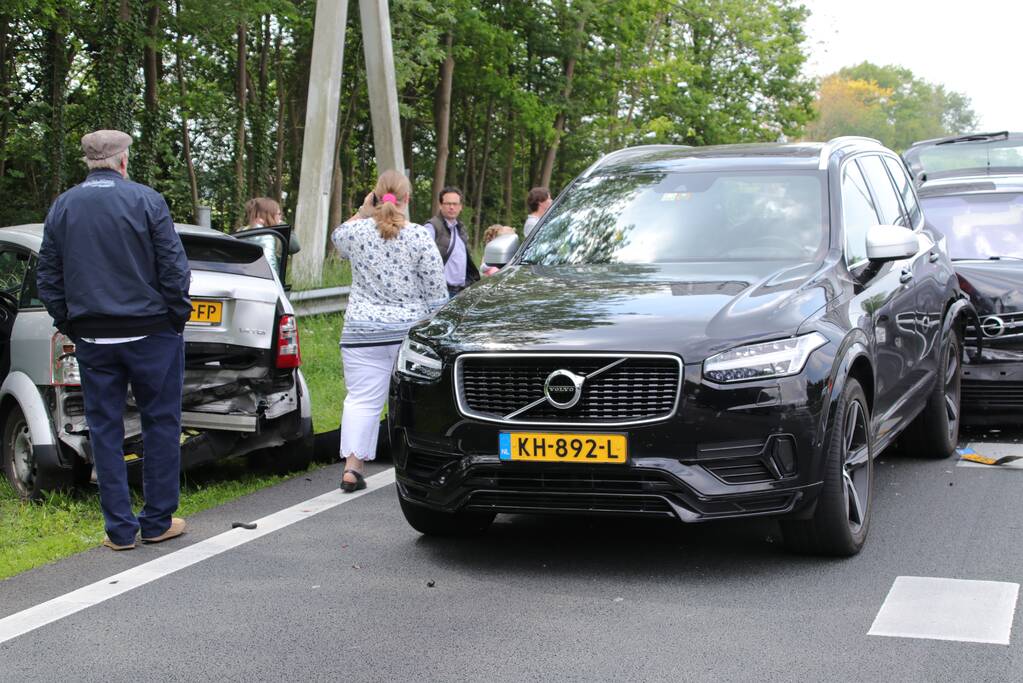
{"points": [[367, 376]]}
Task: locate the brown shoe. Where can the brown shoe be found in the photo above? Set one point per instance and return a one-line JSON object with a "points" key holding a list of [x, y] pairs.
{"points": [[113, 546], [177, 527]]}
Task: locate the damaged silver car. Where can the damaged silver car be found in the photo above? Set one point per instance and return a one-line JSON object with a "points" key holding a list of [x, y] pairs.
{"points": [[243, 388]]}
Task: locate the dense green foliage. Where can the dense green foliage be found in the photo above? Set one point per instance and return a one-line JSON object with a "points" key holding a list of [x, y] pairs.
{"points": [[888, 103], [539, 90]]}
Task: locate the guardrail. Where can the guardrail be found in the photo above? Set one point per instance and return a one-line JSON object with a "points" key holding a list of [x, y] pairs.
{"points": [[320, 301]]}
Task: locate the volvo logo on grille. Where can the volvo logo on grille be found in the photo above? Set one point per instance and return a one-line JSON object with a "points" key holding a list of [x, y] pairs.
{"points": [[563, 389], [993, 326]]}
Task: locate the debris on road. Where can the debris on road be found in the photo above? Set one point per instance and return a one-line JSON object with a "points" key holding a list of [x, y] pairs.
{"points": [[431, 583], [243, 525]]}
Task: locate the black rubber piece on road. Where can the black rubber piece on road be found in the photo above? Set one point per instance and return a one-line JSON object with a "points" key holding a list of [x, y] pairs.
{"points": [[243, 525]]}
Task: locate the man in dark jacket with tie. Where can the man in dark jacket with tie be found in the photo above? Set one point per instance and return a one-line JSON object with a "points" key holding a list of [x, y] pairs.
{"points": [[453, 242], [114, 276]]}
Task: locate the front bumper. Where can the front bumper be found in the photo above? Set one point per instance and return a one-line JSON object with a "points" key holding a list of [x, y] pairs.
{"points": [[992, 392], [741, 450]]}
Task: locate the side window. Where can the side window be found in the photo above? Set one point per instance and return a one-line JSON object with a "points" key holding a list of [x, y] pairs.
{"points": [[858, 214], [887, 200], [905, 188], [29, 292], [13, 266]]}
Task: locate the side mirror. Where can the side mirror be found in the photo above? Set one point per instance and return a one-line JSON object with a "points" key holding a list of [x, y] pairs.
{"points": [[891, 243], [500, 250]]}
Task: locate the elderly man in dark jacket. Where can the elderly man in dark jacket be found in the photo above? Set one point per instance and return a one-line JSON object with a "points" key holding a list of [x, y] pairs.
{"points": [[114, 276]]}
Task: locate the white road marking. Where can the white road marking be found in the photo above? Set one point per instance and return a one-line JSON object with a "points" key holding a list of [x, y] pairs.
{"points": [[948, 609], [992, 449], [118, 584]]}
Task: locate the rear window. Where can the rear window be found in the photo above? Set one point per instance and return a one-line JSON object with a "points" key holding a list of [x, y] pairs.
{"points": [[225, 255], [1003, 155], [978, 226]]}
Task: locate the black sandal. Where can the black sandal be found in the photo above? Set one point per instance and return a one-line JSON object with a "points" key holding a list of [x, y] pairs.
{"points": [[351, 486]]}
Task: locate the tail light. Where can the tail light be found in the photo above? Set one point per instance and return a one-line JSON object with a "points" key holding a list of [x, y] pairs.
{"points": [[288, 354], [63, 364]]}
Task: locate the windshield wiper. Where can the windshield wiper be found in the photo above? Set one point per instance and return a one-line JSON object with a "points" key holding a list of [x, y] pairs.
{"points": [[976, 137], [986, 258]]}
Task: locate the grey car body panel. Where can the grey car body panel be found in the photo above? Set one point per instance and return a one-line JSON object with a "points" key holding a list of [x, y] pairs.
{"points": [[20, 387]]}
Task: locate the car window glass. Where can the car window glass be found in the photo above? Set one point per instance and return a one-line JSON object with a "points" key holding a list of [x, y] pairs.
{"points": [[979, 226], [858, 214], [905, 189], [13, 266], [29, 292], [887, 200], [682, 217]]}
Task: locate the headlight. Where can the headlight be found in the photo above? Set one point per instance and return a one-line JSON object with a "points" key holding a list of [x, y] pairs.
{"points": [[761, 361], [418, 360]]}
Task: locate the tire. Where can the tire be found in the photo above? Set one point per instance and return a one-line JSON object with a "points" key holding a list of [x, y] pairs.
{"points": [[436, 523], [294, 455], [20, 467], [841, 518], [935, 431]]}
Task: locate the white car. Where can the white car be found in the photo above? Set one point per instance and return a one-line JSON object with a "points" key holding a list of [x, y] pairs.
{"points": [[243, 388]]}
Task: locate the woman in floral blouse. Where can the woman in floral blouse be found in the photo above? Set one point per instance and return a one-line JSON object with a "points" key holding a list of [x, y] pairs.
{"points": [[397, 280]]}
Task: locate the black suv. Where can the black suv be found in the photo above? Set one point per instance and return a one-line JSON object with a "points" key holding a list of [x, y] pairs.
{"points": [[971, 190], [694, 333]]}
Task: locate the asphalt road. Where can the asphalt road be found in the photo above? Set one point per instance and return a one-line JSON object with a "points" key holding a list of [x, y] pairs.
{"points": [[353, 592]]}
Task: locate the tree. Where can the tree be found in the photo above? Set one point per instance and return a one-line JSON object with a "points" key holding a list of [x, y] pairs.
{"points": [[908, 109]]}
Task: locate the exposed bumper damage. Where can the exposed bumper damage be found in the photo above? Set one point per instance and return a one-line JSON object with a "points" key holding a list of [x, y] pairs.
{"points": [[225, 410]]}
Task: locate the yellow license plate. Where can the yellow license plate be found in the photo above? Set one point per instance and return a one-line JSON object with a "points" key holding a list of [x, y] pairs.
{"points": [[207, 312], [572, 448]]}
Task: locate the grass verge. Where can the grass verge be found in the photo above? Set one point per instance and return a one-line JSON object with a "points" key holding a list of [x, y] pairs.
{"points": [[34, 534]]}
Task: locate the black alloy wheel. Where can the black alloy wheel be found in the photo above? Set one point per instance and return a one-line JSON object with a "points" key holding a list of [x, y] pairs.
{"points": [[841, 517], [935, 432]]}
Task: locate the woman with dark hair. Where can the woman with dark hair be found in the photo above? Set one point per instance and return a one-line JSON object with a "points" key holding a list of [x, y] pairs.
{"points": [[538, 200], [397, 280]]}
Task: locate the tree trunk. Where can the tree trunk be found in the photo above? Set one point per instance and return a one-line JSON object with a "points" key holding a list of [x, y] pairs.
{"points": [[55, 79], [442, 123], [282, 96], [469, 150], [478, 203], [509, 167], [151, 95], [5, 76], [344, 130], [186, 142], [242, 91], [559, 122]]}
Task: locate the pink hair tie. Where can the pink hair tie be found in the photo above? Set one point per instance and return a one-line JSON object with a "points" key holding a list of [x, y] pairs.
{"points": [[389, 198]]}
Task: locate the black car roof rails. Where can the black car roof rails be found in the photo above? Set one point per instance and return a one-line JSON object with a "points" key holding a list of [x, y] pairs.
{"points": [[628, 151]]}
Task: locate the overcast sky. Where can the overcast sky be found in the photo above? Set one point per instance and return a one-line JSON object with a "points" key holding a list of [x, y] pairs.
{"points": [[971, 47]]}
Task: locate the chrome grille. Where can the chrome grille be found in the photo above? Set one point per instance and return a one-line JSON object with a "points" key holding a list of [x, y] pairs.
{"points": [[640, 388], [998, 326]]}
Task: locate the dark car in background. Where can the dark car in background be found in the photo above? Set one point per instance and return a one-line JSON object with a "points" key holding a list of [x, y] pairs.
{"points": [[690, 333], [971, 190]]}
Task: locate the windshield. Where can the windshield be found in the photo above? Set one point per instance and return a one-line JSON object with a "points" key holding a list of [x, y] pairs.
{"points": [[992, 156], [675, 217], [979, 225]]}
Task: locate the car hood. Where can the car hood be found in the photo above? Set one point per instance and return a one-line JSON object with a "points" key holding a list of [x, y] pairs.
{"points": [[693, 309], [996, 290]]}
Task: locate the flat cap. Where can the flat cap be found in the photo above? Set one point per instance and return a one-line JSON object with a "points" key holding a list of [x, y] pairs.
{"points": [[103, 144]]}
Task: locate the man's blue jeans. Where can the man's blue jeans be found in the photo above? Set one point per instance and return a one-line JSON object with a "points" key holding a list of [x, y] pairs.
{"points": [[154, 366]]}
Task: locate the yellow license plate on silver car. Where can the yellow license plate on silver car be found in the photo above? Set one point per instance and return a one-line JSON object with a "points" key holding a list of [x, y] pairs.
{"points": [[569, 448], [207, 312]]}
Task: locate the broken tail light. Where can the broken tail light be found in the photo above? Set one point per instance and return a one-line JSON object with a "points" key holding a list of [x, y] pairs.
{"points": [[288, 353], [63, 364]]}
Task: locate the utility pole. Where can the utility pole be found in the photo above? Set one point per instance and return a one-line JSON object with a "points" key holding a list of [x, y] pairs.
{"points": [[383, 90], [318, 140], [322, 113]]}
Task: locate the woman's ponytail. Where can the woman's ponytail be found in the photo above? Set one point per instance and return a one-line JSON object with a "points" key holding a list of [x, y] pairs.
{"points": [[392, 188]]}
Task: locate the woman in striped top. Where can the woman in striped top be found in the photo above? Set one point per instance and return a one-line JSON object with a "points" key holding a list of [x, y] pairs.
{"points": [[397, 280]]}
